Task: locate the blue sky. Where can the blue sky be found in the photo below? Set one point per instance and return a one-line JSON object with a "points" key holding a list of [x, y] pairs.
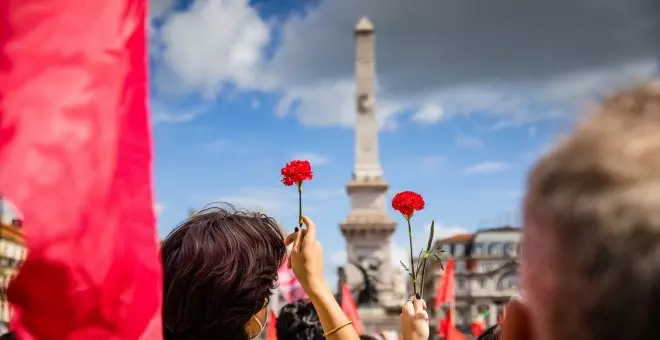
{"points": [[240, 88]]}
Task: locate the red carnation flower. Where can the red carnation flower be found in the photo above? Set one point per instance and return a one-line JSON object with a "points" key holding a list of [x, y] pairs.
{"points": [[407, 202], [295, 172]]}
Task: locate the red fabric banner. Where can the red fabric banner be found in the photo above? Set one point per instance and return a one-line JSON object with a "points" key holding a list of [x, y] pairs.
{"points": [[349, 307], [76, 156], [271, 329]]}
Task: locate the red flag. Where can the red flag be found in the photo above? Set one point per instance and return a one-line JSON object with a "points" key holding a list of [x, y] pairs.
{"points": [[271, 331], [455, 334], [75, 149], [478, 325], [439, 291], [288, 283], [446, 295], [350, 308]]}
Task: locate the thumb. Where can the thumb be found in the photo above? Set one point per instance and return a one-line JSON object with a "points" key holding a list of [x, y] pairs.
{"points": [[418, 304]]}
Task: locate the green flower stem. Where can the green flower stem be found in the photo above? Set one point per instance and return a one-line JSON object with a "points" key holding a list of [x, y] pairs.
{"points": [[421, 287], [412, 260], [300, 219]]}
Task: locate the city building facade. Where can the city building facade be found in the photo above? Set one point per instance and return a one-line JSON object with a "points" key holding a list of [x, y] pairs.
{"points": [[12, 254], [486, 274]]}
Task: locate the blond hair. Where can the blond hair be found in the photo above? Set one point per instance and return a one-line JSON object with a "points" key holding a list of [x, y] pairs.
{"points": [[598, 195]]}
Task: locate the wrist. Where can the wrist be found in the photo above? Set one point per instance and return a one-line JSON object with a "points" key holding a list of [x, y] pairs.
{"points": [[318, 288]]}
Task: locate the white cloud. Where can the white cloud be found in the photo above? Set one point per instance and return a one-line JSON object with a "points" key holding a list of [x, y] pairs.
{"points": [[492, 64], [429, 114], [161, 114], [215, 42], [398, 254], [468, 142], [158, 208], [8, 212], [486, 167], [315, 159], [339, 258]]}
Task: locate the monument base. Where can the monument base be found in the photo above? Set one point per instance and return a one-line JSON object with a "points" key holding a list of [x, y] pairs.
{"points": [[377, 319]]}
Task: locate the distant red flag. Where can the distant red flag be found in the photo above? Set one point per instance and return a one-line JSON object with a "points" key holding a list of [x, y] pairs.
{"points": [[75, 149], [478, 325], [271, 331], [288, 283], [349, 307], [455, 334], [446, 295]]}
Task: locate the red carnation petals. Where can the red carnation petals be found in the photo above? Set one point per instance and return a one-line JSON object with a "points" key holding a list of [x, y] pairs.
{"points": [[407, 202], [295, 172]]}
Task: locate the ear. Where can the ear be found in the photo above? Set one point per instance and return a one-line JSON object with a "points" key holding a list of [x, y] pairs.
{"points": [[517, 323]]}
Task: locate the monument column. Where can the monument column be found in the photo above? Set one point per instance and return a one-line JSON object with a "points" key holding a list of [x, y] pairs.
{"points": [[380, 290]]}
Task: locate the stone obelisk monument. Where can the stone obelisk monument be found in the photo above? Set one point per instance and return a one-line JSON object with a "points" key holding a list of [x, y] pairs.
{"points": [[378, 286]]}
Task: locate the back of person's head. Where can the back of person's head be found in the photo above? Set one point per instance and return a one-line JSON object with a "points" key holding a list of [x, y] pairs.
{"points": [[591, 245], [8, 336], [492, 333], [367, 337], [298, 321], [219, 268]]}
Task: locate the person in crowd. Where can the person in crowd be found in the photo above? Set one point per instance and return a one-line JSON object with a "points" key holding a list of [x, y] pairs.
{"points": [[590, 264], [299, 321], [220, 266], [492, 333], [8, 336]]}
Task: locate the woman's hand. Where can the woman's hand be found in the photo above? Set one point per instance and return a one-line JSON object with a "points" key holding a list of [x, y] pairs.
{"points": [[306, 258], [414, 320]]}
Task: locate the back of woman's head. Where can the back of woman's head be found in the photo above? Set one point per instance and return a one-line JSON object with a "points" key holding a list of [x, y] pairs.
{"points": [[299, 321], [8, 336], [492, 333], [219, 268]]}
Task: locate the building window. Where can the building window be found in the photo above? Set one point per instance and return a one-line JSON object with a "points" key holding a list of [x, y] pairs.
{"points": [[482, 283], [478, 249], [458, 251], [447, 249], [509, 248], [460, 283], [487, 266], [494, 249], [508, 281]]}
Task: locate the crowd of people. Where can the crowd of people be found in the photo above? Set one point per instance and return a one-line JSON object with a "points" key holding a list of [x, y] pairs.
{"points": [[590, 263], [591, 239]]}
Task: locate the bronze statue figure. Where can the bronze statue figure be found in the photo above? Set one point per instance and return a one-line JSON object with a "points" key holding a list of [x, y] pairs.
{"points": [[368, 296]]}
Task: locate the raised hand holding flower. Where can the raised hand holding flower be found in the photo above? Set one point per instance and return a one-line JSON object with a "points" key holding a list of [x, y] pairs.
{"points": [[296, 172]]}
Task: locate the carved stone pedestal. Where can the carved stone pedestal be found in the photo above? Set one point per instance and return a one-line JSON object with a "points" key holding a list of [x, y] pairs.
{"points": [[379, 320]]}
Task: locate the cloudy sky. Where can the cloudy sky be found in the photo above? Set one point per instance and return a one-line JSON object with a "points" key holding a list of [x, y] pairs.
{"points": [[470, 93]]}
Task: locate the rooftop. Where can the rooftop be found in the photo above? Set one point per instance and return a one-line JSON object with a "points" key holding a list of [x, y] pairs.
{"points": [[461, 238]]}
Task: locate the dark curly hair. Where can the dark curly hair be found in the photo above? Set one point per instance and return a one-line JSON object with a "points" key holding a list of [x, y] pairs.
{"points": [[492, 333], [367, 337], [220, 266], [298, 321]]}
